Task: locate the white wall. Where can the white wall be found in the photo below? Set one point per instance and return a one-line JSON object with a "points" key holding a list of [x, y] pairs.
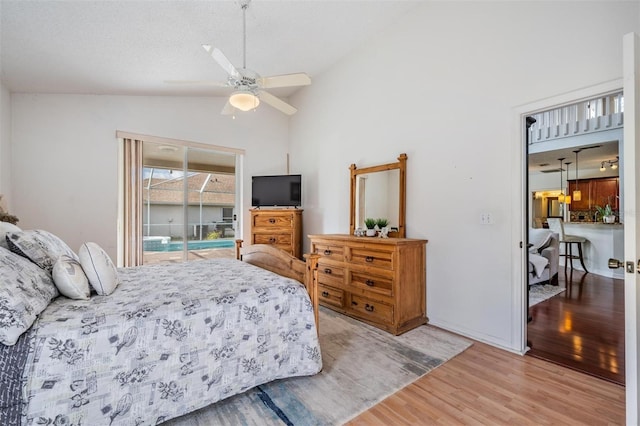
{"points": [[5, 148], [65, 154], [443, 86]]}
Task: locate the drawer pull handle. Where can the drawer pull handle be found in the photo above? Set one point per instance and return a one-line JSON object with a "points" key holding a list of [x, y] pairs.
{"points": [[272, 220], [369, 283], [368, 307], [327, 270], [325, 294], [272, 239], [354, 303], [368, 259], [327, 252]]}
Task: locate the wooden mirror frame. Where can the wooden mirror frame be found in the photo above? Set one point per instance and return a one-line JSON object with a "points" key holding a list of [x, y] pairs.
{"points": [[401, 165]]}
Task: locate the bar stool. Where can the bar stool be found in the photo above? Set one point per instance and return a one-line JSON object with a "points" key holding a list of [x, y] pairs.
{"points": [[556, 225]]}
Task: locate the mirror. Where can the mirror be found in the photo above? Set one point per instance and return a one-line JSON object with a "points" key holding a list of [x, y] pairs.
{"points": [[379, 192]]}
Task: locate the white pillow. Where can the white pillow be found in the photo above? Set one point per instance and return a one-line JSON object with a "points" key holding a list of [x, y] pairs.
{"points": [[539, 239], [70, 279], [5, 228], [99, 268]]}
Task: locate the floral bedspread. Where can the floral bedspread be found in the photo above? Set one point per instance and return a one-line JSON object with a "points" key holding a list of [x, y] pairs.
{"points": [[171, 339]]}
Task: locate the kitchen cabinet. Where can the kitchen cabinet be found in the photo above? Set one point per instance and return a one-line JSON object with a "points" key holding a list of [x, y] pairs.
{"points": [[595, 192], [585, 187], [605, 191]]}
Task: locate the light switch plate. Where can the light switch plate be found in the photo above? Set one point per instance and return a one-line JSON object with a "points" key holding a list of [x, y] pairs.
{"points": [[486, 218]]}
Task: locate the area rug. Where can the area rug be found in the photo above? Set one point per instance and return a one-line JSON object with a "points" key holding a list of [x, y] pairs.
{"points": [[541, 292], [361, 366]]}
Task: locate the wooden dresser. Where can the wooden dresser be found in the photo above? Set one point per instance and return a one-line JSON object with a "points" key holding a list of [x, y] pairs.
{"points": [[381, 281], [281, 228]]}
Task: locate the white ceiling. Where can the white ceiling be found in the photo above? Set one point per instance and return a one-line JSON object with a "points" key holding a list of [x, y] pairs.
{"points": [[128, 47], [590, 158], [133, 47]]}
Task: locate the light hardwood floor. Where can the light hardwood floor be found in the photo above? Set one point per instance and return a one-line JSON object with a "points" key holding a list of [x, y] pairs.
{"points": [[489, 386]]}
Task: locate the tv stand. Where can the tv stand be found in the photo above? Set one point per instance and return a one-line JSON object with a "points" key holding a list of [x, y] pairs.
{"points": [[281, 228]]}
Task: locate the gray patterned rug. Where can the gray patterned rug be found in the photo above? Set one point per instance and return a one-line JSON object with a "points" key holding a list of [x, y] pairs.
{"points": [[362, 366], [541, 292]]}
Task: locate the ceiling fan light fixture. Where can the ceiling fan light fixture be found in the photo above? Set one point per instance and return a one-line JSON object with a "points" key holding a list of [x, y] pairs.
{"points": [[244, 100]]}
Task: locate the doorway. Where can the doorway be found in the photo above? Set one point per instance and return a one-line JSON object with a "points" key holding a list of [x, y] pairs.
{"points": [[573, 152]]}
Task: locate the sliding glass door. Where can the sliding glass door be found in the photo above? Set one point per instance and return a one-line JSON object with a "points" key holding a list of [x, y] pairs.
{"points": [[189, 203]]}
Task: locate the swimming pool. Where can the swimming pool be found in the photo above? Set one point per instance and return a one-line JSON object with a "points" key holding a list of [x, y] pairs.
{"points": [[191, 245]]}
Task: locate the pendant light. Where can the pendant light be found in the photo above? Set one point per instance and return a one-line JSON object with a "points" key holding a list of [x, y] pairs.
{"points": [[567, 198], [577, 194], [561, 195]]}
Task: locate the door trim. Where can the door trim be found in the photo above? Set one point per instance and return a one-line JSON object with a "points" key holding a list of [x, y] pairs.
{"points": [[519, 208]]}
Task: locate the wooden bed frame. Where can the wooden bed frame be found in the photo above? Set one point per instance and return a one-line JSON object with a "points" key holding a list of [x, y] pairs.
{"points": [[282, 263]]}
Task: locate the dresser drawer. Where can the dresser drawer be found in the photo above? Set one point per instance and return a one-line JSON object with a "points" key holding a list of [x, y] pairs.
{"points": [[272, 221], [372, 283], [330, 251], [330, 296], [275, 239], [377, 258], [330, 274], [371, 310]]}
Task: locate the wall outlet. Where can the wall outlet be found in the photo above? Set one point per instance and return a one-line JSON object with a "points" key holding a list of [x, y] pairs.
{"points": [[486, 218]]}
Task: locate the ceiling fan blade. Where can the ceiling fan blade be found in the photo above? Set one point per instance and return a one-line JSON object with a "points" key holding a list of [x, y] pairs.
{"points": [[198, 82], [228, 109], [277, 103], [222, 60], [285, 80]]}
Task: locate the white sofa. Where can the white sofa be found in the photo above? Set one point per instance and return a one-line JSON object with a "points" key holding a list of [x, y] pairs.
{"points": [[544, 256]]}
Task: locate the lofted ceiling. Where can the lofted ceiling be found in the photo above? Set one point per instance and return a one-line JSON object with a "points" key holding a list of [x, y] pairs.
{"points": [[134, 47]]}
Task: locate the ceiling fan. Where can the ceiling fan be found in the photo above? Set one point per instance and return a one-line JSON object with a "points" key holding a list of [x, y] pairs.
{"points": [[248, 86]]}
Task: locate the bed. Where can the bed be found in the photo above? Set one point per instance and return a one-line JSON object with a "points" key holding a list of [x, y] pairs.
{"points": [[170, 339]]}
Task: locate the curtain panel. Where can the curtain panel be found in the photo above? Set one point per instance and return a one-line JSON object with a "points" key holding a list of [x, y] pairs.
{"points": [[131, 200]]}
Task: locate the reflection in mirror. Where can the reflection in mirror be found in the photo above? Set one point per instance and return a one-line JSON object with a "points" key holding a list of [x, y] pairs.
{"points": [[377, 197], [379, 192]]}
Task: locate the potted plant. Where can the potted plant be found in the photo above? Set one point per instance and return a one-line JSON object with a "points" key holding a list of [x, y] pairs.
{"points": [[370, 223], [381, 224], [606, 213]]}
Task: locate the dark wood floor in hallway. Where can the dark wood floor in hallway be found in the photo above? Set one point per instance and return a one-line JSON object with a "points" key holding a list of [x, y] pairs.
{"points": [[583, 327]]}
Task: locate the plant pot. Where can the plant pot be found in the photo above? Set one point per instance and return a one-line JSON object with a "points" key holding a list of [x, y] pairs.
{"points": [[609, 219], [371, 232]]}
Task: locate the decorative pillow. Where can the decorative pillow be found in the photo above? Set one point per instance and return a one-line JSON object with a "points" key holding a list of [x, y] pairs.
{"points": [[25, 291], [70, 279], [5, 228], [41, 247], [100, 270], [539, 239]]}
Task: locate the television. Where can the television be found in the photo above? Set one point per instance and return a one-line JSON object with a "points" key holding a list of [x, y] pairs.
{"points": [[276, 191]]}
